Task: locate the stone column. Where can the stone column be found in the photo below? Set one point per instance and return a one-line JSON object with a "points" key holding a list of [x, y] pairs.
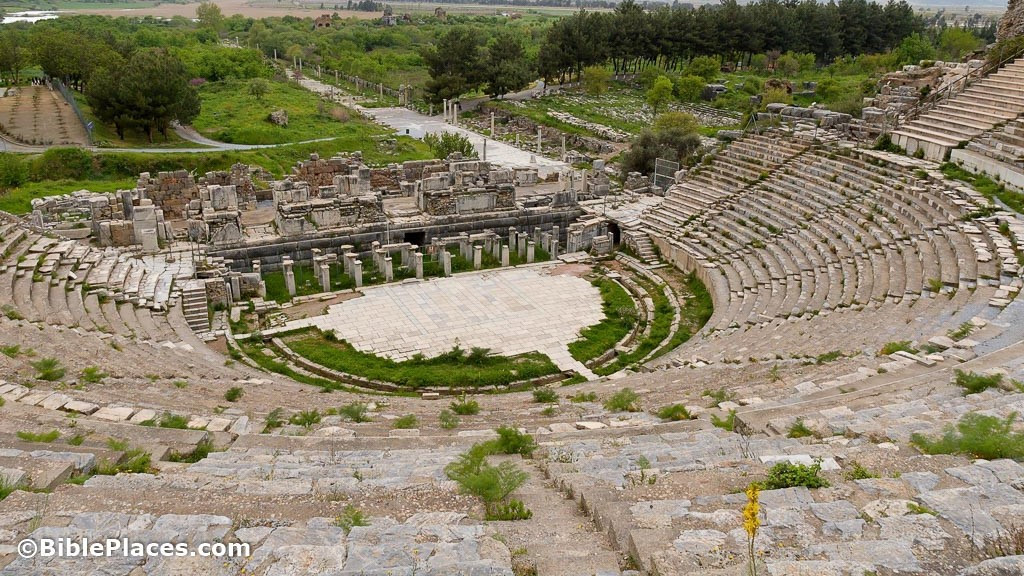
{"points": [[492, 124], [504, 255], [350, 257], [538, 140], [522, 246], [325, 276], [464, 248], [289, 276], [406, 258], [446, 262], [455, 115], [496, 248], [236, 288], [378, 258], [563, 147], [444, 113], [554, 249], [389, 271], [418, 258], [485, 150], [357, 273], [555, 236], [517, 140], [529, 252], [478, 260]]}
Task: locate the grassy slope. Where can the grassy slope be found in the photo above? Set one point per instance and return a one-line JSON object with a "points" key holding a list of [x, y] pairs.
{"points": [[105, 136], [445, 370], [230, 114], [19, 200]]}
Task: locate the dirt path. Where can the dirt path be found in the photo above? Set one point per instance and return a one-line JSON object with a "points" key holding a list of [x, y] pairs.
{"points": [[559, 540], [37, 115]]}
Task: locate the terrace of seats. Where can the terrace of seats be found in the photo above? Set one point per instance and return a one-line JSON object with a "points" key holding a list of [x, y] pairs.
{"points": [[985, 104]]}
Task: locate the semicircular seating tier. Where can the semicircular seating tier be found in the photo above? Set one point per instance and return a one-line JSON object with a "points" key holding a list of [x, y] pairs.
{"points": [[849, 240]]}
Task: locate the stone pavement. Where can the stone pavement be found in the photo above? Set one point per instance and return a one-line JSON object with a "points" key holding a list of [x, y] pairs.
{"points": [[411, 123], [510, 311]]}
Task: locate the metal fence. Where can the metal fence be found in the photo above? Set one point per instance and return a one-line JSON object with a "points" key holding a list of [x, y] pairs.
{"points": [[70, 99], [664, 173]]}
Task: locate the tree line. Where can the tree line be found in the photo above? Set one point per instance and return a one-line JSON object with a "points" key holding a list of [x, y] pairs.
{"points": [[630, 38]]}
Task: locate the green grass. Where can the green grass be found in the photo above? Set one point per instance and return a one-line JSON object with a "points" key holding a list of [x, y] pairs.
{"points": [[661, 327], [973, 383], [202, 450], [986, 186], [545, 396], [453, 368], [234, 394], [350, 518], [728, 423], [464, 407], [6, 487], [857, 471], [255, 352], [583, 397], [230, 114], [977, 435], [448, 420], [133, 461], [620, 316], [169, 420], [355, 411], [48, 369], [675, 413], [407, 422], [92, 375], [306, 418], [42, 437], [11, 351], [897, 346], [799, 430], [625, 400]]}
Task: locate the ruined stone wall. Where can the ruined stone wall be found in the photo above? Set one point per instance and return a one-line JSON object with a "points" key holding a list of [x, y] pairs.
{"points": [[170, 191], [318, 172]]}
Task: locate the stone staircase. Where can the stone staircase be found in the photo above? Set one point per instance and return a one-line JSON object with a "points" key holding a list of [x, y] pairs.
{"points": [[987, 103], [193, 304], [998, 153], [641, 243]]}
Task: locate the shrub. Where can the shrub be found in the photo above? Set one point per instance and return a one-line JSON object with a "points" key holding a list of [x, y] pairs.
{"points": [[625, 400], [718, 396], [133, 461], [973, 383], [475, 476], [675, 412], [897, 346], [169, 420], [977, 435], [512, 441], [273, 420], [788, 475], [728, 423], [799, 430], [406, 422], [48, 369], [44, 437], [6, 487], [92, 375], [355, 411], [11, 351], [234, 394], [464, 407], [202, 450], [857, 471], [961, 332], [514, 510], [306, 418], [584, 397], [350, 518], [545, 395], [448, 419]]}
